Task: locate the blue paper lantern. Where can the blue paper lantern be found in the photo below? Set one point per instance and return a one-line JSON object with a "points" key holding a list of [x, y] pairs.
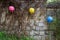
{"points": [[49, 19]]}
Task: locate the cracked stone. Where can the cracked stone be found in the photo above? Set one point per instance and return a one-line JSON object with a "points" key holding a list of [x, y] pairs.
{"points": [[36, 37], [3, 17], [37, 28], [32, 33], [36, 32], [42, 32], [33, 27], [28, 28]]}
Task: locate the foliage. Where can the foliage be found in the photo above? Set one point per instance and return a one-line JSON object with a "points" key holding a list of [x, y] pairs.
{"points": [[23, 37], [4, 36], [58, 25], [48, 1], [53, 24]]}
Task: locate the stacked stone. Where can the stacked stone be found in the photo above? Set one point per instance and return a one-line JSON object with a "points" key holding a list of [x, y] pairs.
{"points": [[37, 27]]}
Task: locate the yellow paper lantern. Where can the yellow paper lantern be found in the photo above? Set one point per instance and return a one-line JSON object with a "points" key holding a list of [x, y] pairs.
{"points": [[31, 10]]}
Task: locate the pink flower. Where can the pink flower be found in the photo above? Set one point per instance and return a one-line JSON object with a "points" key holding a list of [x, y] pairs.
{"points": [[11, 8]]}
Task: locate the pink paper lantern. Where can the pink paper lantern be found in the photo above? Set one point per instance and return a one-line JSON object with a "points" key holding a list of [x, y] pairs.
{"points": [[11, 8]]}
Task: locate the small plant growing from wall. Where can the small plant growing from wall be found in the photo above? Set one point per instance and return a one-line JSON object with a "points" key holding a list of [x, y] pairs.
{"points": [[4, 36]]}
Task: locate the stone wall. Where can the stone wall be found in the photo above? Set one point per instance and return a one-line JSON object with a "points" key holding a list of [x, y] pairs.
{"points": [[37, 26], [22, 22]]}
